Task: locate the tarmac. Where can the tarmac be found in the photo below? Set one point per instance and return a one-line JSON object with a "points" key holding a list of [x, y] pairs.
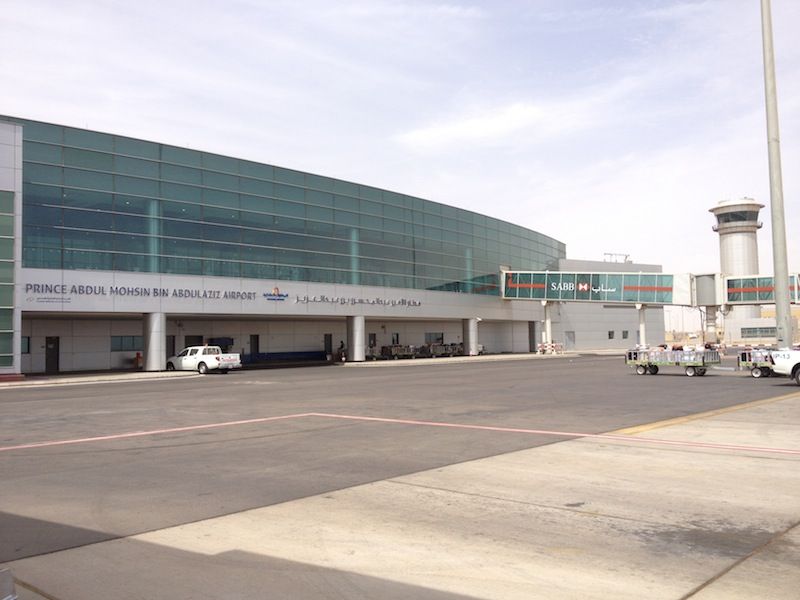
{"points": [[704, 507]]}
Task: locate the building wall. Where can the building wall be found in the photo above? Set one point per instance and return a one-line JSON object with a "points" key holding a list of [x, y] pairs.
{"points": [[10, 244]]}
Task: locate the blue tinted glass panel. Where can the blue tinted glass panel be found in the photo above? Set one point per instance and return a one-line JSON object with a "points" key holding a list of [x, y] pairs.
{"points": [[36, 173], [181, 156], [88, 199], [88, 179], [86, 159], [132, 147], [136, 205], [256, 170], [220, 198], [181, 174], [181, 210], [136, 166], [289, 176], [93, 140], [177, 191], [86, 219], [47, 153], [216, 162], [135, 185], [256, 187], [220, 180]]}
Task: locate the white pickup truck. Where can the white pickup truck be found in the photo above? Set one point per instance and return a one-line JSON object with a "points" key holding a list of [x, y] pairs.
{"points": [[203, 359], [786, 362]]}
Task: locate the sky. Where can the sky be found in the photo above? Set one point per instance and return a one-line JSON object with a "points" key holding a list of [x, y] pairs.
{"points": [[612, 126]]}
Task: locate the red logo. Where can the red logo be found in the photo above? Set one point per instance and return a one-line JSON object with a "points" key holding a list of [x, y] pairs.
{"points": [[583, 287]]}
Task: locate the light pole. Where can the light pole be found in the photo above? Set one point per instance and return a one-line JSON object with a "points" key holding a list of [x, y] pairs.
{"points": [[783, 316]]}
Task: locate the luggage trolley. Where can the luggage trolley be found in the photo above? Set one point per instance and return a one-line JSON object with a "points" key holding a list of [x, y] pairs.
{"points": [[694, 362], [757, 360]]}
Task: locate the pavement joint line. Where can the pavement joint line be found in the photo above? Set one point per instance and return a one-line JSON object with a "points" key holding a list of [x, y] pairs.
{"points": [[701, 415], [736, 563], [565, 434], [34, 589]]}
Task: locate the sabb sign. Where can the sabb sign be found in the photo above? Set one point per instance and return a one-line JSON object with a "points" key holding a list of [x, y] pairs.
{"points": [[627, 288]]}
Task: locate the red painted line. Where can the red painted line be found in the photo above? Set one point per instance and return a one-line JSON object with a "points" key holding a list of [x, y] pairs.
{"points": [[527, 286], [134, 434], [751, 289], [603, 436]]}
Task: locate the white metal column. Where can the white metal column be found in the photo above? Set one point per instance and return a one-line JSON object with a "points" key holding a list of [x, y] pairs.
{"points": [[548, 323], [642, 325], [469, 328], [155, 341], [356, 339]]}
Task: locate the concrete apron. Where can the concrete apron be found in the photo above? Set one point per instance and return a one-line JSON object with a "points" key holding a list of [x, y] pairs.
{"points": [[583, 519]]}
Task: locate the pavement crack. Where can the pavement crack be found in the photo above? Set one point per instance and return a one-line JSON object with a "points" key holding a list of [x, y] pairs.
{"points": [[563, 508]]}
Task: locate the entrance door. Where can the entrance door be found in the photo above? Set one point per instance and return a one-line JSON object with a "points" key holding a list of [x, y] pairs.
{"points": [[533, 343], [329, 344], [51, 355], [569, 341], [194, 340]]}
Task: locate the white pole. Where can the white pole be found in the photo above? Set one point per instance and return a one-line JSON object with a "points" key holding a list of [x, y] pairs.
{"points": [[783, 317]]}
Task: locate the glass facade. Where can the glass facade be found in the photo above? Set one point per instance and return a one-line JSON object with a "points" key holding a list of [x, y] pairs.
{"points": [[6, 278], [100, 201]]}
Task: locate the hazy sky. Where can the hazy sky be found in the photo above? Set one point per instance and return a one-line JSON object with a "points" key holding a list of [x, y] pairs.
{"points": [[612, 126]]}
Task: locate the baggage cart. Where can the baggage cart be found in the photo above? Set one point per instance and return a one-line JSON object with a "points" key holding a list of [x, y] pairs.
{"points": [[757, 361], [693, 362]]}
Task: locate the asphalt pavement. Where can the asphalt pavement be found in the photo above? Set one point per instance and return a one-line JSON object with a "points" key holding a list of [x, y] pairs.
{"points": [[564, 477]]}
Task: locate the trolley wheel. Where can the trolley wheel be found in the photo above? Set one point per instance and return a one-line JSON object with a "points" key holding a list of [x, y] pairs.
{"points": [[653, 369], [757, 372], [691, 371], [170, 366], [701, 371], [641, 370]]}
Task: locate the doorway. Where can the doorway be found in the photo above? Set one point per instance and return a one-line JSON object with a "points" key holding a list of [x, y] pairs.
{"points": [[569, 340], [51, 354]]}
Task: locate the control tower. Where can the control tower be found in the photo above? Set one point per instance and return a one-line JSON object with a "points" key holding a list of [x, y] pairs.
{"points": [[737, 224]]}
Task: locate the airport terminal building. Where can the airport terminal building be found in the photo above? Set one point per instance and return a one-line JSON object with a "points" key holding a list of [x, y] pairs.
{"points": [[114, 248]]}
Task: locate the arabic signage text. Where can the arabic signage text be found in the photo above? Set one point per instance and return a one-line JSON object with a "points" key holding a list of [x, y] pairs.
{"points": [[352, 301]]}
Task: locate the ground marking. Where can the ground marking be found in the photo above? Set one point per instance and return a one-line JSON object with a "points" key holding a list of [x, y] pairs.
{"points": [[568, 434]]}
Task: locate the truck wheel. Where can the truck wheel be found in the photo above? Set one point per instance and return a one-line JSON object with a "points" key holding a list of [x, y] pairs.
{"points": [[701, 371], [202, 368], [756, 372], [653, 369], [766, 371], [170, 367], [690, 371], [797, 376], [641, 370]]}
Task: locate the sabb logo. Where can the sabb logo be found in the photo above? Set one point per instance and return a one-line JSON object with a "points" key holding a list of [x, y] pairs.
{"points": [[566, 286]]}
